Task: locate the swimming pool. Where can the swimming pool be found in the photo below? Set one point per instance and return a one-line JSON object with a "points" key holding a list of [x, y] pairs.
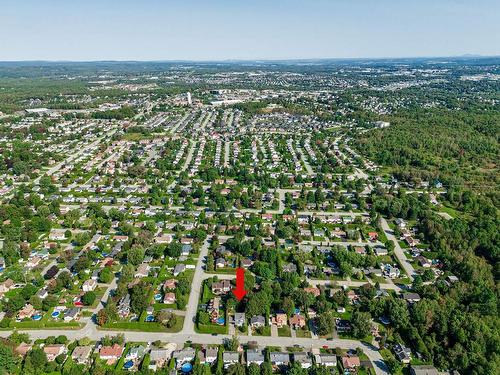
{"points": [[186, 368], [36, 317], [55, 314]]}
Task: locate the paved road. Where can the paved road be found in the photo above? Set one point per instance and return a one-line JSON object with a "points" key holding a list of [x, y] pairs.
{"points": [[309, 170], [189, 155], [226, 153], [72, 157], [398, 251], [342, 243], [351, 283], [194, 296], [181, 338]]}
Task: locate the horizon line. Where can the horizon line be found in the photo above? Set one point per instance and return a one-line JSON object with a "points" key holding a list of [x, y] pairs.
{"points": [[229, 60]]}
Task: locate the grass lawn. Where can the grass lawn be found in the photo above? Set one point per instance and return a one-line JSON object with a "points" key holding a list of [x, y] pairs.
{"points": [[226, 271], [284, 332], [264, 331], [303, 333], [45, 325], [450, 211], [144, 326], [211, 328]]}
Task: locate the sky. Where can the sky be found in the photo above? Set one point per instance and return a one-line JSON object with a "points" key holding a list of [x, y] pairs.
{"points": [[85, 30]]}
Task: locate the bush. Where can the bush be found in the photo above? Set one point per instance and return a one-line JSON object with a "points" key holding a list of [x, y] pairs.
{"points": [[88, 298]]}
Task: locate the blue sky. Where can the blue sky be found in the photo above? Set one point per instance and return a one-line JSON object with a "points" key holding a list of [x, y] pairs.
{"points": [[245, 29]]}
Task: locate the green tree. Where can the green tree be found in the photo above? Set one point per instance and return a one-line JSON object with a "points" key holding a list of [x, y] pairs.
{"points": [[106, 275], [88, 298], [361, 324]]}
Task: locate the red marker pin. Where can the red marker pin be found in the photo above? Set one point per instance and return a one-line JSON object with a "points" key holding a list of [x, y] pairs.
{"points": [[239, 292]]}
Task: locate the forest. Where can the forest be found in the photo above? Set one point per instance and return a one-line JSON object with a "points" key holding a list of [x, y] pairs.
{"points": [[455, 325]]}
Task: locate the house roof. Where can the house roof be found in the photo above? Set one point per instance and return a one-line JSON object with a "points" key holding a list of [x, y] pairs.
{"points": [[424, 370], [82, 352], [255, 355], [231, 356], [348, 362], [302, 357], [279, 357], [53, 349], [111, 351]]}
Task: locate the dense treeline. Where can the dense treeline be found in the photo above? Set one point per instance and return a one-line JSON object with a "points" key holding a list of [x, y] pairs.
{"points": [[117, 114], [454, 325], [460, 148]]}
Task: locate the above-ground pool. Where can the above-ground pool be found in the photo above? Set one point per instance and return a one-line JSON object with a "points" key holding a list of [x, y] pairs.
{"points": [[36, 317], [297, 311], [158, 297], [186, 367], [55, 314], [127, 365], [221, 321], [150, 318]]}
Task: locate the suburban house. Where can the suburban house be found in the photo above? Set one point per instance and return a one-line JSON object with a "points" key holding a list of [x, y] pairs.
{"points": [[239, 319], [297, 321], [22, 349], [328, 360], [163, 239], [71, 314], [342, 325], [411, 297], [111, 353], [230, 358], [81, 354], [424, 370], [169, 298], [169, 284], [279, 359], [257, 321], [280, 320], [303, 358], [124, 306], [26, 312], [135, 353], [89, 285], [5, 286], [142, 270], [255, 356], [184, 355], [158, 358], [52, 351], [179, 268], [350, 363], [402, 353], [211, 355], [221, 287]]}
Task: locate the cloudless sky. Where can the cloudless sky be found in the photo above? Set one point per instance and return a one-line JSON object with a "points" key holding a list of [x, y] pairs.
{"points": [[245, 29]]}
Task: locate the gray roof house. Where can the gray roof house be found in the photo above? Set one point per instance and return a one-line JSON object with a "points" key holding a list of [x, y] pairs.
{"points": [[230, 358], [179, 268], [239, 319], [328, 360], [255, 356], [303, 358], [279, 358], [184, 355], [257, 321]]}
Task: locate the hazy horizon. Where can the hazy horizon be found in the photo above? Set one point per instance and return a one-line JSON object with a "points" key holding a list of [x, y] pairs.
{"points": [[223, 30]]}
